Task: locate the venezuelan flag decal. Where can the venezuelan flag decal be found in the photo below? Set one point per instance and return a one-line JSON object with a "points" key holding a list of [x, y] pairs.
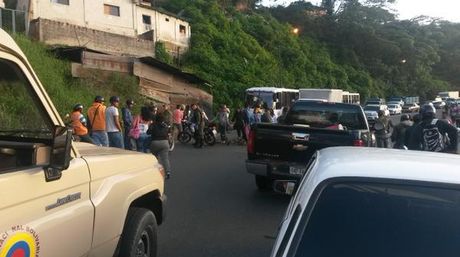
{"points": [[20, 244]]}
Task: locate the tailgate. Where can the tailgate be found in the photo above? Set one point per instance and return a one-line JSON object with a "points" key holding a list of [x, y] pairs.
{"points": [[295, 143]]}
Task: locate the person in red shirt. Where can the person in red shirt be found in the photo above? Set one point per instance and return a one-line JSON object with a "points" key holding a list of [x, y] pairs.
{"points": [[178, 116]]}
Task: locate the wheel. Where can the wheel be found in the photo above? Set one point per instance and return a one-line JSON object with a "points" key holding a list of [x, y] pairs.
{"points": [[139, 237], [209, 139], [171, 143], [263, 183], [184, 137]]}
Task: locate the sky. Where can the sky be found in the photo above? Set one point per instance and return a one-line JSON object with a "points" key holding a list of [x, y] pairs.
{"points": [[445, 9]]}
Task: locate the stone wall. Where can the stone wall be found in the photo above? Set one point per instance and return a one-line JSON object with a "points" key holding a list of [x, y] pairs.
{"points": [[60, 33]]}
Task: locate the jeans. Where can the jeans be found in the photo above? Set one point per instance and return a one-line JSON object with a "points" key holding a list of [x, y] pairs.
{"points": [[127, 139], [160, 148], [116, 139], [86, 138], [143, 143], [383, 142], [100, 138], [177, 128], [223, 132]]}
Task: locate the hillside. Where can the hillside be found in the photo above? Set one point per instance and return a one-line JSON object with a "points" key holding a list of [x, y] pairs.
{"points": [[65, 91], [361, 48]]}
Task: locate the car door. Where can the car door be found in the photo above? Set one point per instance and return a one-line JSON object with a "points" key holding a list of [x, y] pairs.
{"points": [[37, 218]]}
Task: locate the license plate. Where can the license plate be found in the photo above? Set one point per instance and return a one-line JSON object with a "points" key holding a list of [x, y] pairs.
{"points": [[297, 170]]}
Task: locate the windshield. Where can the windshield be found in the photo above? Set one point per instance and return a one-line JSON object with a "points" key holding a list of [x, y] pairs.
{"points": [[19, 114], [372, 108], [322, 115], [392, 106], [255, 98], [382, 220]]}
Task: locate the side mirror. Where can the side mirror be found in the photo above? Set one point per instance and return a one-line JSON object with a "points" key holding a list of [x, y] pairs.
{"points": [[60, 153], [286, 187]]}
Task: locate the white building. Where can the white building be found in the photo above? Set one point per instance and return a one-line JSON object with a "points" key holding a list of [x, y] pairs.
{"points": [[130, 18]]}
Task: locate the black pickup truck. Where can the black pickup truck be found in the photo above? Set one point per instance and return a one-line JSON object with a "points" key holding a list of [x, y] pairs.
{"points": [[283, 150]]}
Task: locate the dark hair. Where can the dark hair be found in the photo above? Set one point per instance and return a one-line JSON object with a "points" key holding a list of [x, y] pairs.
{"points": [[129, 102], [159, 118], [145, 113], [114, 99], [178, 106]]}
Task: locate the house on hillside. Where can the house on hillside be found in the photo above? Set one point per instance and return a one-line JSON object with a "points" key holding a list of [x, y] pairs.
{"points": [[122, 27]]}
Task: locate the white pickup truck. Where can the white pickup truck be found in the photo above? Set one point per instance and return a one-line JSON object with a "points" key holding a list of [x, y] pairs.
{"points": [[362, 202], [61, 198]]}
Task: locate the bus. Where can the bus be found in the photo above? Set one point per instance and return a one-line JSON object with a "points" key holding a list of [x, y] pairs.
{"points": [[275, 98]]}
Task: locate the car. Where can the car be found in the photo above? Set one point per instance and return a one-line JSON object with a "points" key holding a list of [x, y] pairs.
{"points": [[65, 198], [439, 104], [384, 203], [375, 101], [394, 109], [400, 103], [410, 108], [377, 107], [371, 113], [282, 150]]}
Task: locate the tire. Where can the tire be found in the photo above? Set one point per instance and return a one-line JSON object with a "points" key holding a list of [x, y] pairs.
{"points": [[209, 139], [171, 143], [263, 183], [184, 137], [139, 236]]}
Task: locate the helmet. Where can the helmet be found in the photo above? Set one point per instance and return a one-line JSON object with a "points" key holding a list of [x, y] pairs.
{"points": [[99, 99], [114, 99], [427, 111], [405, 117], [78, 107], [129, 102]]}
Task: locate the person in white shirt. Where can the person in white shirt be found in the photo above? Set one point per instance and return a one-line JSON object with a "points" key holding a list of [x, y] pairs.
{"points": [[113, 125]]}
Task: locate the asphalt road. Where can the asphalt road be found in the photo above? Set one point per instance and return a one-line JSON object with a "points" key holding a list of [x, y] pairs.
{"points": [[214, 208]]}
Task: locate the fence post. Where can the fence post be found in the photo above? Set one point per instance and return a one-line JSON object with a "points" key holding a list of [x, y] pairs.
{"points": [[1, 18], [13, 19]]}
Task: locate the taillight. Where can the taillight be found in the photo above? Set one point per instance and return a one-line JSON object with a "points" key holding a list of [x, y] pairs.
{"points": [[358, 142], [250, 145]]}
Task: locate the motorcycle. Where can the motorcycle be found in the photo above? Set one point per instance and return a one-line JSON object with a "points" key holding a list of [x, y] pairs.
{"points": [[188, 131]]}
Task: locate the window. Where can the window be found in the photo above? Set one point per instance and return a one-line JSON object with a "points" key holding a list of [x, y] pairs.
{"points": [[65, 2], [111, 10], [167, 19], [146, 19], [182, 29], [19, 114], [380, 220]]}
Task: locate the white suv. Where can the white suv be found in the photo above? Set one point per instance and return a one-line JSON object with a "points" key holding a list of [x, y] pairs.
{"points": [[384, 203]]}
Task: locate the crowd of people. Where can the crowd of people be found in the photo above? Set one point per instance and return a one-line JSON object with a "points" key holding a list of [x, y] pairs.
{"points": [[149, 131], [423, 132]]}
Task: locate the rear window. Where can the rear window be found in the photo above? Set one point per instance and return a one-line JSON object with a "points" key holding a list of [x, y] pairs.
{"points": [[381, 220], [323, 115]]}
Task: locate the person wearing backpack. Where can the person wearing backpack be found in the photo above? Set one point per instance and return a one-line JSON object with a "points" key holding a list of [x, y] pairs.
{"points": [[383, 130], [429, 134]]}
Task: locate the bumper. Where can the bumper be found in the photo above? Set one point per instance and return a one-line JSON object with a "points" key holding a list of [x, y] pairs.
{"points": [[276, 170]]}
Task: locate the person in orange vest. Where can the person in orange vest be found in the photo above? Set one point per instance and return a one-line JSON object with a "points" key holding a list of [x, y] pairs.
{"points": [[79, 124], [96, 119]]}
